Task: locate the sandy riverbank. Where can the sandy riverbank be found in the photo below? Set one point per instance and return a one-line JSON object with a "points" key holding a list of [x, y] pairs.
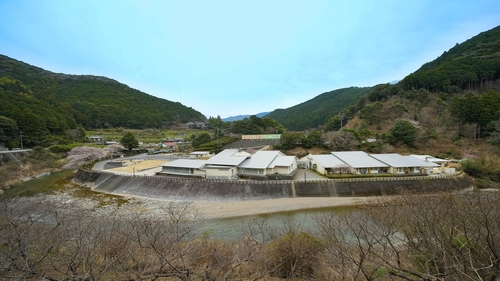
{"points": [[255, 207]]}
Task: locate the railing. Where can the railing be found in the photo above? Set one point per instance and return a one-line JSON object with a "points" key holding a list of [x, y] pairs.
{"points": [[378, 179]]}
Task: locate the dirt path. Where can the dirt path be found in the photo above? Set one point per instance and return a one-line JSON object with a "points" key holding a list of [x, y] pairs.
{"points": [[138, 165]]}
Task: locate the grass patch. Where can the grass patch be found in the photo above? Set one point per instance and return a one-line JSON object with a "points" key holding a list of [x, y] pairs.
{"points": [[49, 184], [61, 182]]}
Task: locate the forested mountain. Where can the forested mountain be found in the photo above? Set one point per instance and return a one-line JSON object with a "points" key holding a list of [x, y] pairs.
{"points": [[42, 103], [449, 107], [317, 111], [468, 66]]}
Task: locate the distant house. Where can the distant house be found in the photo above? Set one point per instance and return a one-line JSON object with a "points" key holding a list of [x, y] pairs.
{"points": [[169, 145], [199, 154], [96, 139]]}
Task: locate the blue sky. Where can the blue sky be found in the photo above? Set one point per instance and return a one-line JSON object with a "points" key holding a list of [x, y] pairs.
{"points": [[239, 57]]}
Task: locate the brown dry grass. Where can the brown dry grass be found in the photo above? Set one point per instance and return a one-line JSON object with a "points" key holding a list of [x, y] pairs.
{"points": [[136, 166]]}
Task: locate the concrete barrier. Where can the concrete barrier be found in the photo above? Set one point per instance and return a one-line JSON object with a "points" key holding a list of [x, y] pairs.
{"points": [[165, 188]]}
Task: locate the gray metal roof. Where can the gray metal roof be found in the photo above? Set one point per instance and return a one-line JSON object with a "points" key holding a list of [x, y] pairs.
{"points": [[422, 163], [282, 161], [328, 160], [186, 163], [429, 158], [260, 160], [228, 157], [199, 153], [358, 159], [395, 160]]}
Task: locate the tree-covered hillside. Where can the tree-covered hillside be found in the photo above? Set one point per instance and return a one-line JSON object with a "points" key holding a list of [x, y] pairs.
{"points": [[42, 103], [470, 65], [431, 111], [317, 111]]}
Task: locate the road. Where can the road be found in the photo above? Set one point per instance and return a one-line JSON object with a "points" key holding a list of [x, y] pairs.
{"points": [[103, 165]]}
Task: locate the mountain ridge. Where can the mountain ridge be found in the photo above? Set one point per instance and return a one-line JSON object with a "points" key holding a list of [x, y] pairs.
{"points": [[241, 117]]}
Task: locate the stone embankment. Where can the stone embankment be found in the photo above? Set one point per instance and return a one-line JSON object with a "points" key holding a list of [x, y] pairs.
{"points": [[165, 188]]}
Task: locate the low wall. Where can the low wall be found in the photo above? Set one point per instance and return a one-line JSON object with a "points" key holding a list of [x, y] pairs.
{"points": [[367, 187], [204, 189]]}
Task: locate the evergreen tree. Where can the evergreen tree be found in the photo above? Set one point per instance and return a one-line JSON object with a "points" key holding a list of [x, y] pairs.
{"points": [[129, 141], [404, 131]]}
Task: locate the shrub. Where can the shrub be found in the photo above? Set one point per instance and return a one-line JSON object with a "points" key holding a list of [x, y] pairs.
{"points": [[294, 255]]}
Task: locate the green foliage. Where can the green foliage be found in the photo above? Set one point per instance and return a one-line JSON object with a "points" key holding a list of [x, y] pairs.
{"points": [[214, 122], [404, 131], [255, 125], [334, 124], [471, 167], [62, 148], [382, 92], [493, 131], [42, 158], [43, 103], [476, 109], [371, 113], [290, 140], [8, 130], [201, 139], [317, 111], [486, 167], [470, 65], [129, 141], [314, 138]]}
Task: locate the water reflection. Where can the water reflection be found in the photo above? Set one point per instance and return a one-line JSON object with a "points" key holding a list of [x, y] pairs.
{"points": [[237, 228]]}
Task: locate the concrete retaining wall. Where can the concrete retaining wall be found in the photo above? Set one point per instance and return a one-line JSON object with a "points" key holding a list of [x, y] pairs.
{"points": [[378, 187], [202, 189]]}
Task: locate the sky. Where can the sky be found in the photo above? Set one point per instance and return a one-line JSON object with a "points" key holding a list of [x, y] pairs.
{"points": [[227, 58]]}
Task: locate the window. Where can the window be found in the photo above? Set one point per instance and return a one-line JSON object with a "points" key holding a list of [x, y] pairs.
{"points": [[178, 170], [249, 171]]}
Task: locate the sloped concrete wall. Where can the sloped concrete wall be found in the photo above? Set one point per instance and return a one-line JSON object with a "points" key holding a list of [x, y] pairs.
{"points": [[203, 189], [374, 188]]}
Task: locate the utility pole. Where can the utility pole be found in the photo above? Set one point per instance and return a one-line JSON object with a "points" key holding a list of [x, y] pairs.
{"points": [[217, 138], [21, 137]]}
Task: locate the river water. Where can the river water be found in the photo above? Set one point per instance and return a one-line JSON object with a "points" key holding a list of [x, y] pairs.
{"points": [[236, 228]]}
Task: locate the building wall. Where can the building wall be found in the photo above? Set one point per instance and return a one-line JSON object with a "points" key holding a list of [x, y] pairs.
{"points": [[283, 170], [221, 173], [316, 166], [200, 173]]}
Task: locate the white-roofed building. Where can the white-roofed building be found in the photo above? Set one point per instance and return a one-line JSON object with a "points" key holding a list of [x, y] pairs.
{"points": [[199, 154], [224, 164], [432, 159], [326, 164], [361, 162], [264, 163], [284, 165], [185, 167], [399, 164]]}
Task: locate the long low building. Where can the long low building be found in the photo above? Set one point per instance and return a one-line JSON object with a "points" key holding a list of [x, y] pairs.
{"points": [[233, 163], [359, 162]]}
